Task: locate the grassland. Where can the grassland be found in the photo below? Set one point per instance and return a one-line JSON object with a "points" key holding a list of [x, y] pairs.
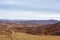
{"points": [[4, 37], [24, 36]]}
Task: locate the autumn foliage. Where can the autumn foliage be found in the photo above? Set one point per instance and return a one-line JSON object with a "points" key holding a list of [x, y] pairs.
{"points": [[35, 29]]}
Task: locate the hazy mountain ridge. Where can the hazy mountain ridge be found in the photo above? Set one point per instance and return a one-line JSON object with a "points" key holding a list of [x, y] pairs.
{"points": [[30, 21]]}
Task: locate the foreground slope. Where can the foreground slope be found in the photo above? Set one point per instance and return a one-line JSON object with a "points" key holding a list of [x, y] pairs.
{"points": [[24, 36], [4, 37]]}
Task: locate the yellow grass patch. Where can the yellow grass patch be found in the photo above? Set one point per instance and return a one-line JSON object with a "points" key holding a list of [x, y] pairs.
{"points": [[24, 36]]}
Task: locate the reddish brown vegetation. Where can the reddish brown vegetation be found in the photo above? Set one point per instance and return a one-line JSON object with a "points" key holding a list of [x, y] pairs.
{"points": [[51, 29]]}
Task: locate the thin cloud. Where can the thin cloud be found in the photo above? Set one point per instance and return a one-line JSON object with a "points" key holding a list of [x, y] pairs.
{"points": [[5, 14], [30, 9]]}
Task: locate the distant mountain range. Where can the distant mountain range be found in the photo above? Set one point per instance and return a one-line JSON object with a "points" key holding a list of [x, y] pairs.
{"points": [[30, 21]]}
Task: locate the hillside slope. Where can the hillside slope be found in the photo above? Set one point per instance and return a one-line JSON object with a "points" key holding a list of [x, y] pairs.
{"points": [[51, 29], [24, 36], [4, 37]]}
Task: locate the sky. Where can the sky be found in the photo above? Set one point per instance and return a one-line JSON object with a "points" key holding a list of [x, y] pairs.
{"points": [[30, 9]]}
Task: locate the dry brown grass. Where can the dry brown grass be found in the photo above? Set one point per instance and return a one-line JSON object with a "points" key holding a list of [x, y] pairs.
{"points": [[4, 37], [23, 36]]}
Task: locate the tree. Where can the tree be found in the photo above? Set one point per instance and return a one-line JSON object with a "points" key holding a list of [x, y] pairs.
{"points": [[46, 31]]}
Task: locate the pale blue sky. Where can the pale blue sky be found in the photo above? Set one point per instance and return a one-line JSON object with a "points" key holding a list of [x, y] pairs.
{"points": [[30, 9]]}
